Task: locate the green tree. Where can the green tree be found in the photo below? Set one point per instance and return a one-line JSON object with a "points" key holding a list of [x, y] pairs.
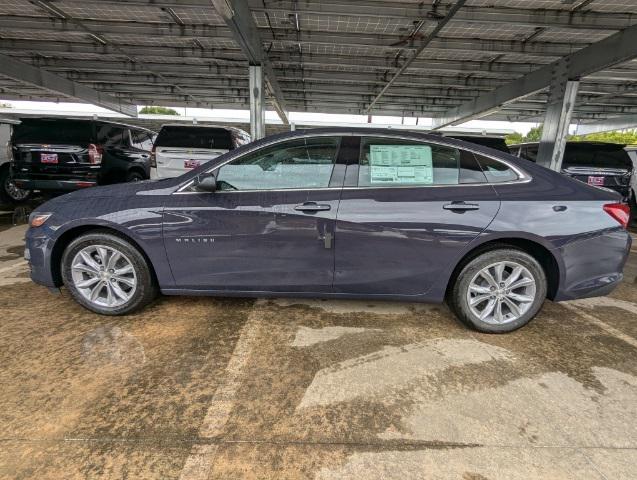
{"points": [[159, 111], [628, 137], [514, 138], [534, 135]]}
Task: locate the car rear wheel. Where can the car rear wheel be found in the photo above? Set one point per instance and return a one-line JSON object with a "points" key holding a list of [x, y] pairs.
{"points": [[134, 176], [499, 291], [9, 192], [107, 275]]}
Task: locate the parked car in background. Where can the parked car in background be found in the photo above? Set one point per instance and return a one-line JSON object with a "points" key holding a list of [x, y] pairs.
{"points": [[63, 154], [599, 164], [9, 193], [497, 143], [344, 213], [179, 148], [632, 153]]}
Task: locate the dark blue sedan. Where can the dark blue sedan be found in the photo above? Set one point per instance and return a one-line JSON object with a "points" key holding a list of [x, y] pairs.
{"points": [[341, 213]]}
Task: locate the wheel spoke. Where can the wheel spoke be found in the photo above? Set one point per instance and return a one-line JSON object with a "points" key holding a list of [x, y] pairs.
{"points": [[486, 274], [112, 261], [479, 289], [124, 270], [479, 299], [96, 290], [498, 311], [103, 254], [88, 283], [81, 267], [515, 310], [515, 274], [499, 272], [523, 282], [520, 298], [109, 294], [126, 281], [488, 309], [88, 261], [118, 291]]}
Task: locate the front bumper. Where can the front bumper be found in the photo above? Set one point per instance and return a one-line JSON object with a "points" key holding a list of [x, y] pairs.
{"points": [[37, 252], [593, 265]]}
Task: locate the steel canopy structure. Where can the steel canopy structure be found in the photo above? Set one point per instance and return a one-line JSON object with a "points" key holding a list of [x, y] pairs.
{"points": [[433, 58]]}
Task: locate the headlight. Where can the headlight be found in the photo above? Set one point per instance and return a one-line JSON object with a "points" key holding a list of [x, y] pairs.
{"points": [[38, 219]]}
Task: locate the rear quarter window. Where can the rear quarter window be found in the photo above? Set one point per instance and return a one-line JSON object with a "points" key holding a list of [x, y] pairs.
{"points": [[496, 171]]}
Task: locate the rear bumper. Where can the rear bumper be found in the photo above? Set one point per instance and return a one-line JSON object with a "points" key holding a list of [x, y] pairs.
{"points": [[593, 265], [55, 185]]}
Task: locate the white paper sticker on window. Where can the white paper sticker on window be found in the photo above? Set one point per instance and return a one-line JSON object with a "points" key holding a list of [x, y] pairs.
{"points": [[400, 164]]}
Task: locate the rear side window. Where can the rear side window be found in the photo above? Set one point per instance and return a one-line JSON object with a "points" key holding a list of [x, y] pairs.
{"points": [[53, 131], [388, 162], [195, 137], [111, 135], [495, 171], [141, 139]]}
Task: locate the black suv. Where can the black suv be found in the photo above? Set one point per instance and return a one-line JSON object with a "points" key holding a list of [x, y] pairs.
{"points": [[54, 154], [599, 164]]}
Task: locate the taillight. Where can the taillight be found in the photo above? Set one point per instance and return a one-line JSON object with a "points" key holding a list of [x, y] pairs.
{"points": [[619, 211], [95, 153], [153, 158]]}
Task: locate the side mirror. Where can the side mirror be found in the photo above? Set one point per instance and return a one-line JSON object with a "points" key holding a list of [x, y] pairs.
{"points": [[206, 182]]}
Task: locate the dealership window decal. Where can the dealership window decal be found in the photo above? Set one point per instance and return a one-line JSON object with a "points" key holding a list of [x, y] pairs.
{"points": [[405, 164]]}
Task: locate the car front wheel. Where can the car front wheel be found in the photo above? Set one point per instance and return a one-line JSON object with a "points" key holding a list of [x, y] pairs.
{"points": [[107, 275], [499, 291]]}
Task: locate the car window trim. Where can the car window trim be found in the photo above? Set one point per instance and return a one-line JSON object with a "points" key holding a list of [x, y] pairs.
{"points": [[523, 177]]}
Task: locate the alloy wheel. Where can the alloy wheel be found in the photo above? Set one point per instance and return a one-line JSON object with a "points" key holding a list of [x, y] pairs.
{"points": [[501, 292], [15, 193], [104, 275]]}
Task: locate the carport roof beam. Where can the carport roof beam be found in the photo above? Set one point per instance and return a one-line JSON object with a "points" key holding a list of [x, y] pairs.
{"points": [[614, 49], [25, 73], [452, 11], [238, 17]]}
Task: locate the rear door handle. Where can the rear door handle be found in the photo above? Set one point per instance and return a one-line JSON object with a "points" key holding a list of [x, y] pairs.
{"points": [[461, 206], [312, 207]]}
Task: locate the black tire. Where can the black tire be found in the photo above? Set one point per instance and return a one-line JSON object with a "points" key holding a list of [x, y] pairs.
{"points": [[458, 301], [6, 192], [146, 290], [134, 176]]}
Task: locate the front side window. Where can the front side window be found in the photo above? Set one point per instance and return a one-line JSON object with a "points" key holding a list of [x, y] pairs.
{"points": [[300, 163], [388, 162]]}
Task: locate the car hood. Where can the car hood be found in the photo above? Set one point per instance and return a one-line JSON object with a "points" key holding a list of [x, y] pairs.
{"points": [[146, 187]]}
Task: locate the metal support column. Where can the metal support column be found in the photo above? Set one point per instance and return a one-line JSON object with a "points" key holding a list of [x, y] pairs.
{"points": [[257, 102], [562, 96]]}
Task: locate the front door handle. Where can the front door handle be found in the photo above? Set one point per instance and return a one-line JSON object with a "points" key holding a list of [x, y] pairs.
{"points": [[312, 207], [461, 206]]}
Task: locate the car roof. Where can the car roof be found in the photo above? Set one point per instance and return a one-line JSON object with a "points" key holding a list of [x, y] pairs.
{"points": [[610, 145], [83, 119]]}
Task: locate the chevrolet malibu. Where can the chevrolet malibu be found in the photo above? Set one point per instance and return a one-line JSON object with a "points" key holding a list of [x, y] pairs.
{"points": [[374, 214]]}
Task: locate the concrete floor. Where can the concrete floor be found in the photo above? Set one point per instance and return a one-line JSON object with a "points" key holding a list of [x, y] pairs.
{"points": [[198, 388]]}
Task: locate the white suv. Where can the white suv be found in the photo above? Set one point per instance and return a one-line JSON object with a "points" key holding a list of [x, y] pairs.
{"points": [[179, 148]]}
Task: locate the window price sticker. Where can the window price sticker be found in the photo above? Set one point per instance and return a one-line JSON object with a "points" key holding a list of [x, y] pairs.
{"points": [[400, 164]]}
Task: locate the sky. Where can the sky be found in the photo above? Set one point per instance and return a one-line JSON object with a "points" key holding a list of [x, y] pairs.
{"points": [[220, 114]]}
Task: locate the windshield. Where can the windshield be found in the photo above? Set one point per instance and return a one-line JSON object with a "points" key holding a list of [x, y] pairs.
{"points": [[52, 131], [599, 156], [194, 137]]}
